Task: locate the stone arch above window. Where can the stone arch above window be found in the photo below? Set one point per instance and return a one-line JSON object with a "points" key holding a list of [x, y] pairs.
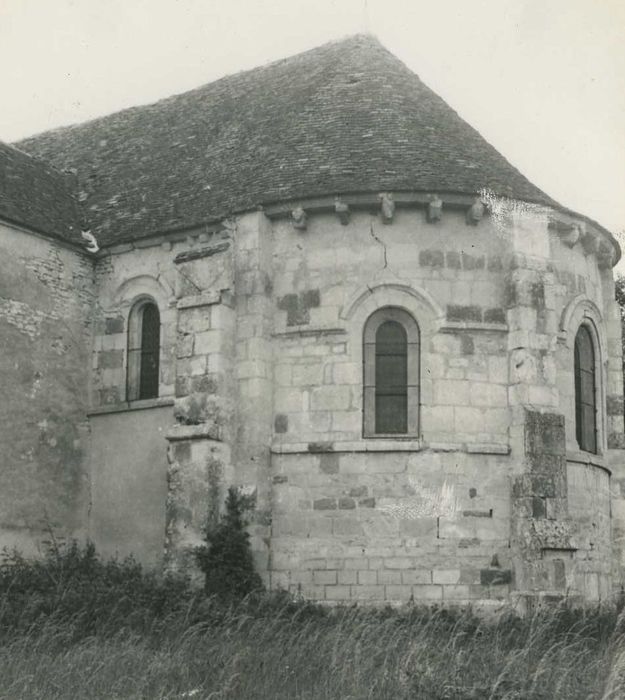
{"points": [[586, 390], [391, 396], [144, 333]]}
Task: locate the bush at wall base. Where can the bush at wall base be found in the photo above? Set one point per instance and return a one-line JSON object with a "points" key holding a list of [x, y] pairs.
{"points": [[226, 558]]}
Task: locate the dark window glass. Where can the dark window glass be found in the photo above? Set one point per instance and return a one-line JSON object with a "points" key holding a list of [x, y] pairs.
{"points": [[585, 391], [150, 338], [391, 379]]}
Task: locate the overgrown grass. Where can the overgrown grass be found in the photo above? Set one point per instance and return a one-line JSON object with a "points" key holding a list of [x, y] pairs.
{"points": [[72, 626]]}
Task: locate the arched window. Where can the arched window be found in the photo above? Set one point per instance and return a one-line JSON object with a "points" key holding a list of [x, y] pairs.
{"points": [[144, 330], [391, 374], [585, 391]]}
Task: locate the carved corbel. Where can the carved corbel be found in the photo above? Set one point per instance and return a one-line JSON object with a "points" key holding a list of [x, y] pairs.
{"points": [[475, 212], [342, 210], [590, 242], [568, 233], [605, 256], [434, 209], [387, 207], [299, 218]]}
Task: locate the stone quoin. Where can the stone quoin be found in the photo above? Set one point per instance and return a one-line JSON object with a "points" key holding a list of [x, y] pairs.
{"points": [[312, 280]]}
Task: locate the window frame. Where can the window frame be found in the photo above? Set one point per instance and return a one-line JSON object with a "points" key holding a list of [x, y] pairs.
{"points": [[135, 351], [413, 383], [580, 428]]}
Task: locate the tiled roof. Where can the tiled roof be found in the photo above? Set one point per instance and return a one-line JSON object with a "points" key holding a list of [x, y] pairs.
{"points": [[36, 196], [345, 117]]}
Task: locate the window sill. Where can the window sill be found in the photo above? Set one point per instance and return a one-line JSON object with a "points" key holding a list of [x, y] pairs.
{"points": [[132, 406], [588, 458], [387, 445]]}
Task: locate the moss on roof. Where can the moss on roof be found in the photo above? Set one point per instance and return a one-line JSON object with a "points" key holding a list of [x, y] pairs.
{"points": [[344, 117], [36, 196]]}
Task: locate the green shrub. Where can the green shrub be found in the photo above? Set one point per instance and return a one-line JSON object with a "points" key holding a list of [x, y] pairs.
{"points": [[226, 559], [72, 582]]}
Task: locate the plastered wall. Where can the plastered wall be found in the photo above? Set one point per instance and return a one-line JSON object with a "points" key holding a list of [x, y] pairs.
{"points": [[46, 301]]}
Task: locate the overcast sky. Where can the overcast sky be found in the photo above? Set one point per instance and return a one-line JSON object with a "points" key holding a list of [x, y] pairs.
{"points": [[542, 80]]}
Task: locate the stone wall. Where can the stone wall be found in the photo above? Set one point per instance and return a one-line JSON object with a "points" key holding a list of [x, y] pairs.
{"points": [[261, 357], [498, 307], [46, 299]]}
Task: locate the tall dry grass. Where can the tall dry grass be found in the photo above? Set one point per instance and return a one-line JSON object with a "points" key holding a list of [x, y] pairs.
{"points": [[84, 631]]}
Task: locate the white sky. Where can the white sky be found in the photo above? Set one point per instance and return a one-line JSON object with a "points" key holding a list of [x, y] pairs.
{"points": [[542, 80]]}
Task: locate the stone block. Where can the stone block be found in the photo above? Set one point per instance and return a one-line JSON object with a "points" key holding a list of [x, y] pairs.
{"points": [[357, 563], [330, 398], [347, 422], [495, 315], [346, 503], [459, 592], [495, 577], [324, 577], [283, 374], [111, 359], [347, 373], [320, 447], [308, 373], [559, 574], [113, 324], [453, 260], [544, 433], [431, 258], [446, 576], [398, 563], [386, 576], [438, 418], [460, 313], [319, 421], [498, 369], [325, 504], [207, 342], [184, 346], [366, 503], [418, 527], [337, 593], [489, 395], [425, 592], [416, 576], [297, 306], [614, 405], [347, 577], [472, 262], [281, 423], [495, 263], [358, 491], [467, 346], [368, 592], [469, 420], [182, 451], [394, 592], [451, 392], [367, 578], [329, 464]]}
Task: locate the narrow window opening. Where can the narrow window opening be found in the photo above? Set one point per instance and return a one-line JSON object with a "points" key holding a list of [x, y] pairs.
{"points": [[391, 374], [144, 329], [150, 334], [585, 391], [391, 379]]}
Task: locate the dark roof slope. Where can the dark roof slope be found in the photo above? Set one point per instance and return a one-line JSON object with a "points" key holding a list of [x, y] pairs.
{"points": [[36, 196], [345, 117]]}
